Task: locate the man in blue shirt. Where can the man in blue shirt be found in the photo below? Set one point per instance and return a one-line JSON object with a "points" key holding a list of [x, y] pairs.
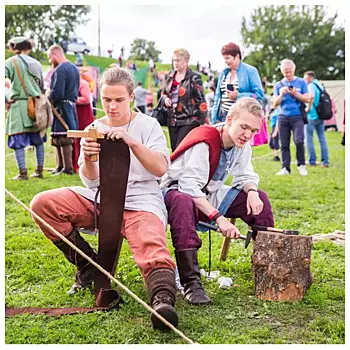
{"points": [[314, 122], [64, 89], [289, 94]]}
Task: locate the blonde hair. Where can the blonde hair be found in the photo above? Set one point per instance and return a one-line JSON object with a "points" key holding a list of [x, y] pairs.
{"points": [[251, 105], [117, 76], [182, 52], [57, 49]]}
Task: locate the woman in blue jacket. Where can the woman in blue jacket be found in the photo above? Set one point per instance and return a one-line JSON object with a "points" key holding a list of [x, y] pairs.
{"points": [[238, 80]]}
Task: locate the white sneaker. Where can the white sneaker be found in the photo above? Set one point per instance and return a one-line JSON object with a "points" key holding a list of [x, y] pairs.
{"points": [[302, 170], [283, 171]]}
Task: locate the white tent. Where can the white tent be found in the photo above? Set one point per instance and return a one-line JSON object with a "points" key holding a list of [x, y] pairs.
{"points": [[336, 90]]}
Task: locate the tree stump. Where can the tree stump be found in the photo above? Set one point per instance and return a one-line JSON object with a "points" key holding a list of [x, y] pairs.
{"points": [[281, 266]]}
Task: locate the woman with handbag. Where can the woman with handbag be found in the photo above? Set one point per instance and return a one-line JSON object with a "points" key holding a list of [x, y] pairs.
{"points": [[183, 96], [26, 76]]}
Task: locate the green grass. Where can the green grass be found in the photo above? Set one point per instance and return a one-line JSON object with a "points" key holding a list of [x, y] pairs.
{"points": [[37, 274]]}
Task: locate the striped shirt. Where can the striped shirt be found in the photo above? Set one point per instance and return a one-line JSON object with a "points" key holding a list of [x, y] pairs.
{"points": [[226, 102]]}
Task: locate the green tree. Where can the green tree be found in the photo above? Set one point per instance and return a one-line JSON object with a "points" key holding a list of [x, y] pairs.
{"points": [[305, 34], [46, 24], [143, 50]]}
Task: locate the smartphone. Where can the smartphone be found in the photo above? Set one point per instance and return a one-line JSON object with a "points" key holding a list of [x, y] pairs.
{"points": [[230, 87], [290, 87]]}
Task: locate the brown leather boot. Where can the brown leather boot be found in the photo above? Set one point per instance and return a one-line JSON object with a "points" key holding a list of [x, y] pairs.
{"points": [[67, 159], [85, 270], [162, 294], [190, 277], [38, 172], [23, 175]]}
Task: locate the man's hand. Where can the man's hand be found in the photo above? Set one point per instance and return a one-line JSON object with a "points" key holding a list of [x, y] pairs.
{"points": [[232, 95], [254, 203], [117, 133], [293, 91], [227, 228], [284, 90], [90, 147]]}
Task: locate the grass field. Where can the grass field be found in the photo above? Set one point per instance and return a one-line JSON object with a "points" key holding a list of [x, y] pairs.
{"points": [[37, 274]]}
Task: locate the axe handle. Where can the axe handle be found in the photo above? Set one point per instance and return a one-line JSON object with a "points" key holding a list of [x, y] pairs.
{"points": [[224, 248], [273, 229]]}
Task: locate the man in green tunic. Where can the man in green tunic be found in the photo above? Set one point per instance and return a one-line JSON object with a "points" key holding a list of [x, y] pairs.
{"points": [[19, 127]]}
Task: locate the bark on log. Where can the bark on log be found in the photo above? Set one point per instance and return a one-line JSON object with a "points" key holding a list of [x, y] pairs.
{"points": [[281, 266]]}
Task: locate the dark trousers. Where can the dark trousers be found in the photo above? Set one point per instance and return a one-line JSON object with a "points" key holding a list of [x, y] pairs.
{"points": [[177, 134], [183, 216], [286, 125]]}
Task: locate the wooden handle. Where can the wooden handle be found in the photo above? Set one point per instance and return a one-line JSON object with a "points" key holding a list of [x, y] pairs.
{"points": [[94, 158], [224, 248], [226, 244]]}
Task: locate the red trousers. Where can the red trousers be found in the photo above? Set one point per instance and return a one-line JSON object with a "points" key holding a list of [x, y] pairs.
{"points": [[64, 209]]}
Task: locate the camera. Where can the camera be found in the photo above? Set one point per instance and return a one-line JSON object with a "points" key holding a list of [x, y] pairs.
{"points": [[230, 87]]}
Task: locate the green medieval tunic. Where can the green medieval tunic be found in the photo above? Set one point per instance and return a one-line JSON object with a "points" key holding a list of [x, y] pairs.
{"points": [[18, 121]]}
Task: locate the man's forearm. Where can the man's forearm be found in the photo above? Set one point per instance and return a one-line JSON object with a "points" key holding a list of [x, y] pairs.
{"points": [[249, 186], [152, 161], [203, 205], [277, 100], [90, 170], [302, 97]]}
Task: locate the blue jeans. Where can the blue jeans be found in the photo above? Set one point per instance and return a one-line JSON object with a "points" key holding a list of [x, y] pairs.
{"points": [[317, 125]]}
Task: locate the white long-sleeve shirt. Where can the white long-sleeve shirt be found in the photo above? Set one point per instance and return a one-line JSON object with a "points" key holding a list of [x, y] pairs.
{"points": [[143, 191], [191, 171]]}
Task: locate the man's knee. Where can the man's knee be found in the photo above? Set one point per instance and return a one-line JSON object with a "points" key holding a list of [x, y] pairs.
{"points": [[39, 201], [268, 219], [176, 200]]}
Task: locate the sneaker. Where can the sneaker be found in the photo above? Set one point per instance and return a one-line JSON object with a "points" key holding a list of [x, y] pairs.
{"points": [[302, 170], [324, 165], [283, 171], [276, 159]]}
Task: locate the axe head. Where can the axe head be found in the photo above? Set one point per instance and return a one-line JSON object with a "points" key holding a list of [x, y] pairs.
{"points": [[248, 238], [291, 232]]}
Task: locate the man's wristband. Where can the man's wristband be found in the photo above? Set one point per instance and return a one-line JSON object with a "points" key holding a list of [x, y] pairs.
{"points": [[211, 216], [216, 216], [252, 189]]}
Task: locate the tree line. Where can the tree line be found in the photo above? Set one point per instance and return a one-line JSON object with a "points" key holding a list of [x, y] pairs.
{"points": [[306, 34]]}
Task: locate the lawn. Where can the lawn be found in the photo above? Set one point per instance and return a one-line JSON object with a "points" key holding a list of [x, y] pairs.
{"points": [[37, 274]]}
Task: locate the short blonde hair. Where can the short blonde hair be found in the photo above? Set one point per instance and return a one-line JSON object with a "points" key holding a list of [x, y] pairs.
{"points": [[117, 76], [251, 105], [182, 52]]}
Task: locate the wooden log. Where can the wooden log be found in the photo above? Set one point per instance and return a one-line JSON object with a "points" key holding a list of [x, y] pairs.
{"points": [[281, 266]]}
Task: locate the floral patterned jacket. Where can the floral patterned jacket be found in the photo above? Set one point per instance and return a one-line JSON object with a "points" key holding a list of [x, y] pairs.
{"points": [[191, 108]]}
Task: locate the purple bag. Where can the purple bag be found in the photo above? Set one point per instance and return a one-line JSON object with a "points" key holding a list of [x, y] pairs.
{"points": [[262, 137]]}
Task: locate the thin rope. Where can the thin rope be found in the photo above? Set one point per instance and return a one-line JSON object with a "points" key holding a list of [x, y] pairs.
{"points": [[265, 155], [99, 267], [209, 267]]}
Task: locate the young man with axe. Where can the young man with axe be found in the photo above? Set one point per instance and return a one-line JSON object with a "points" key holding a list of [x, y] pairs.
{"points": [[143, 216], [194, 188]]}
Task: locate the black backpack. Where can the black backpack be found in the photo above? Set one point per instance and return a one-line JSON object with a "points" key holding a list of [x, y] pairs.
{"points": [[324, 108]]}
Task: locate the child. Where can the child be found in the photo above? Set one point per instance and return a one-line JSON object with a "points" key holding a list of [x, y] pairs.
{"points": [[149, 108]]}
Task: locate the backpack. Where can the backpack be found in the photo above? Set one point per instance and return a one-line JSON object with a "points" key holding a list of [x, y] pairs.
{"points": [[324, 107]]}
